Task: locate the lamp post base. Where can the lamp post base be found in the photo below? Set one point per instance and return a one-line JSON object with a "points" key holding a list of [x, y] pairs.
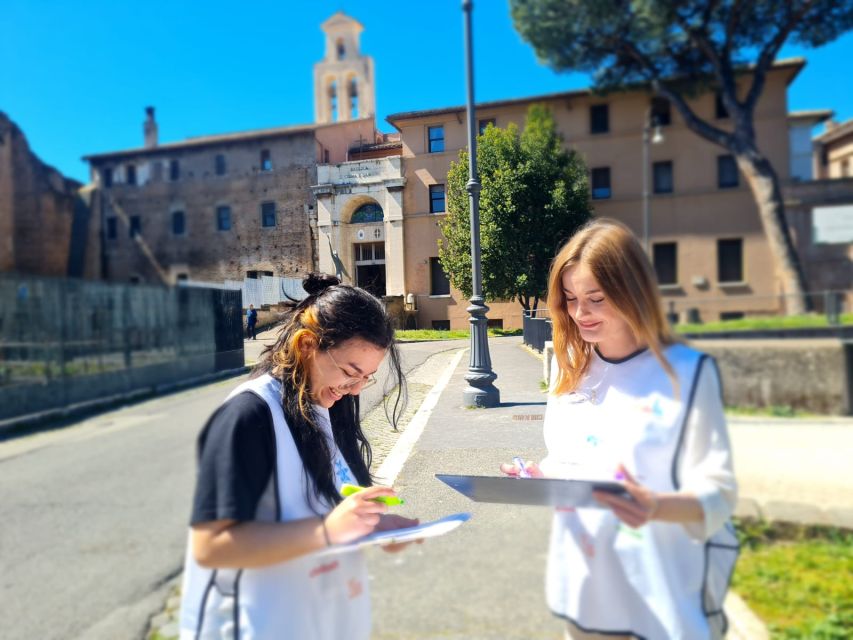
{"points": [[480, 391], [484, 397]]}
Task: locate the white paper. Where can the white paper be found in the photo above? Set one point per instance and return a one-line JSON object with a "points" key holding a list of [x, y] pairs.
{"points": [[406, 534]]}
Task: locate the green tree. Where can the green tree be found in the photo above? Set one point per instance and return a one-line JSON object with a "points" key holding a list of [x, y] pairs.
{"points": [[678, 47], [534, 196]]}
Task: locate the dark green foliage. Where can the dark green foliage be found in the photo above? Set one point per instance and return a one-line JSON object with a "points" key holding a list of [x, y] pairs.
{"points": [[624, 42], [534, 196]]}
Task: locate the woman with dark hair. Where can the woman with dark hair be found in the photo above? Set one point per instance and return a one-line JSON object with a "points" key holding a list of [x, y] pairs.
{"points": [[271, 462]]}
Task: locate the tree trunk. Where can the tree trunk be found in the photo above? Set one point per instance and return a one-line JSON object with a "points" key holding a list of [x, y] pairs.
{"points": [[764, 184]]}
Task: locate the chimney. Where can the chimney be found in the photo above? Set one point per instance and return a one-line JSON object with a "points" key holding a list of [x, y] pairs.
{"points": [[150, 128]]}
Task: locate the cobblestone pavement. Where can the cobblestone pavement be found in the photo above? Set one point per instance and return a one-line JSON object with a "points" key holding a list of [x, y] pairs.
{"points": [[382, 437]]}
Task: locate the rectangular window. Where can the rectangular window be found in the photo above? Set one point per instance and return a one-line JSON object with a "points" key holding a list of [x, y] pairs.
{"points": [[599, 118], [727, 172], [135, 226], [720, 110], [223, 218], [436, 139], [326, 156], [439, 283], [661, 112], [732, 315], [441, 325], [174, 170], [666, 262], [436, 198], [266, 160], [179, 223], [600, 183], [107, 177], [220, 165], [130, 173], [112, 228], [483, 124], [730, 260], [268, 214], [662, 172]]}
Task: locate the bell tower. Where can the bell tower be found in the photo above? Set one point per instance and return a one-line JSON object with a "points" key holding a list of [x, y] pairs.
{"points": [[343, 80]]}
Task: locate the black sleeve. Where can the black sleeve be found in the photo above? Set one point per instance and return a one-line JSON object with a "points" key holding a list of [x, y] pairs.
{"points": [[236, 458]]}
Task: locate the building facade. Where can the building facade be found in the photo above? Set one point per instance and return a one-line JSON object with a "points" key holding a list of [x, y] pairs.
{"points": [[834, 151], [360, 223], [219, 207], [706, 240]]}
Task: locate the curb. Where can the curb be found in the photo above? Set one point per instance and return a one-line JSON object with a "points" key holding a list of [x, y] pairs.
{"points": [[89, 407]]}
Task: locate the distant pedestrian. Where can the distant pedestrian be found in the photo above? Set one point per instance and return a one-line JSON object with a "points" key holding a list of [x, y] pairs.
{"points": [[628, 402], [271, 462], [251, 322]]}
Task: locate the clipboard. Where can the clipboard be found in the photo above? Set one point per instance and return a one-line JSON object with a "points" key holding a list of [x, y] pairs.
{"points": [[547, 492], [407, 534]]}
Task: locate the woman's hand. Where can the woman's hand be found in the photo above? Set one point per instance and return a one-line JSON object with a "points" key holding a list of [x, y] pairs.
{"points": [[357, 515], [512, 469], [391, 521], [637, 512]]}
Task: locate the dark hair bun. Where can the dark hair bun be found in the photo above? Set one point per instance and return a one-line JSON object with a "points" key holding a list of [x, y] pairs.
{"points": [[316, 283]]}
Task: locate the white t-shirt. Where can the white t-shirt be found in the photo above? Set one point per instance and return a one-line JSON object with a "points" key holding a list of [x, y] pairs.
{"points": [[664, 580]]}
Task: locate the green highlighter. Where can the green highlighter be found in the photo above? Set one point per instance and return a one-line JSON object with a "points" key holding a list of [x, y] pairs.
{"points": [[391, 501]]}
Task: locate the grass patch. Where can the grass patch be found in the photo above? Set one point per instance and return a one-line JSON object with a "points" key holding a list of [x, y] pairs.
{"points": [[798, 579], [773, 411], [418, 335], [771, 322]]}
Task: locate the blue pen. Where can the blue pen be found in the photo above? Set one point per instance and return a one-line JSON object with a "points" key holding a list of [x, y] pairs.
{"points": [[522, 470]]}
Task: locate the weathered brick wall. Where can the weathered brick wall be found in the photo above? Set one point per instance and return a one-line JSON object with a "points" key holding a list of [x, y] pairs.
{"points": [[203, 252], [37, 208]]}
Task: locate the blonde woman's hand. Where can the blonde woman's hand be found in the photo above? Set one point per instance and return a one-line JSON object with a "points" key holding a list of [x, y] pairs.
{"points": [[637, 512], [512, 469], [356, 515]]}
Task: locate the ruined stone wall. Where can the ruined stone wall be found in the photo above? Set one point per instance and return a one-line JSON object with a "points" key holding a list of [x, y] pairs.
{"points": [[7, 226], [203, 252], [826, 266], [38, 206]]}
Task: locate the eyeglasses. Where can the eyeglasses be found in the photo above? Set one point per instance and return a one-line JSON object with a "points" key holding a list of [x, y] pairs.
{"points": [[353, 381]]}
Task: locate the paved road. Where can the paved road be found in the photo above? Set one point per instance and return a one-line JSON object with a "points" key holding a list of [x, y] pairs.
{"points": [[94, 514]]}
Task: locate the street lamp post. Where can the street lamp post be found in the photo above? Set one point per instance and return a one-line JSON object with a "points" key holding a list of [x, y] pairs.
{"points": [[480, 391], [657, 138]]}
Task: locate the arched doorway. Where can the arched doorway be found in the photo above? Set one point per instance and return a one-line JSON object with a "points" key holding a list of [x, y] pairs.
{"points": [[369, 248]]}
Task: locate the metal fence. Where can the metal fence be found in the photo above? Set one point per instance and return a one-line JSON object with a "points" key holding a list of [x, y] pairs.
{"points": [[64, 342], [828, 308], [536, 328]]}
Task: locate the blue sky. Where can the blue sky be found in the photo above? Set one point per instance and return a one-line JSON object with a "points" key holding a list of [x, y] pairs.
{"points": [[77, 75]]}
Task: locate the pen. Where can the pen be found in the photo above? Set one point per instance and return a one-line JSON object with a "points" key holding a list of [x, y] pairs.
{"points": [[391, 501], [522, 470]]}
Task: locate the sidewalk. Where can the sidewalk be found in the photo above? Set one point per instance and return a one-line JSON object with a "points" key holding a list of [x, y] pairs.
{"points": [[486, 581]]}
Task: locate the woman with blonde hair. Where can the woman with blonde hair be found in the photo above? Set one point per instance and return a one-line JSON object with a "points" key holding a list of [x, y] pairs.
{"points": [[271, 463], [628, 401]]}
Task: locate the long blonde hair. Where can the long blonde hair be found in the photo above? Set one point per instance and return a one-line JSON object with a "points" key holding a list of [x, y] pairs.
{"points": [[625, 275]]}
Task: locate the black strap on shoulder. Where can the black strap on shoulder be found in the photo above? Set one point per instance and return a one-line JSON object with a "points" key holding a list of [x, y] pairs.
{"points": [[686, 417]]}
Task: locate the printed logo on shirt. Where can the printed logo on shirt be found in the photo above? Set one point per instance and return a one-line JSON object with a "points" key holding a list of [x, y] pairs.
{"points": [[356, 588], [342, 472], [323, 568], [658, 408]]}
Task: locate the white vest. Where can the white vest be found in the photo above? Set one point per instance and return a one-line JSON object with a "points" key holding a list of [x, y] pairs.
{"points": [[655, 582], [307, 598]]}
